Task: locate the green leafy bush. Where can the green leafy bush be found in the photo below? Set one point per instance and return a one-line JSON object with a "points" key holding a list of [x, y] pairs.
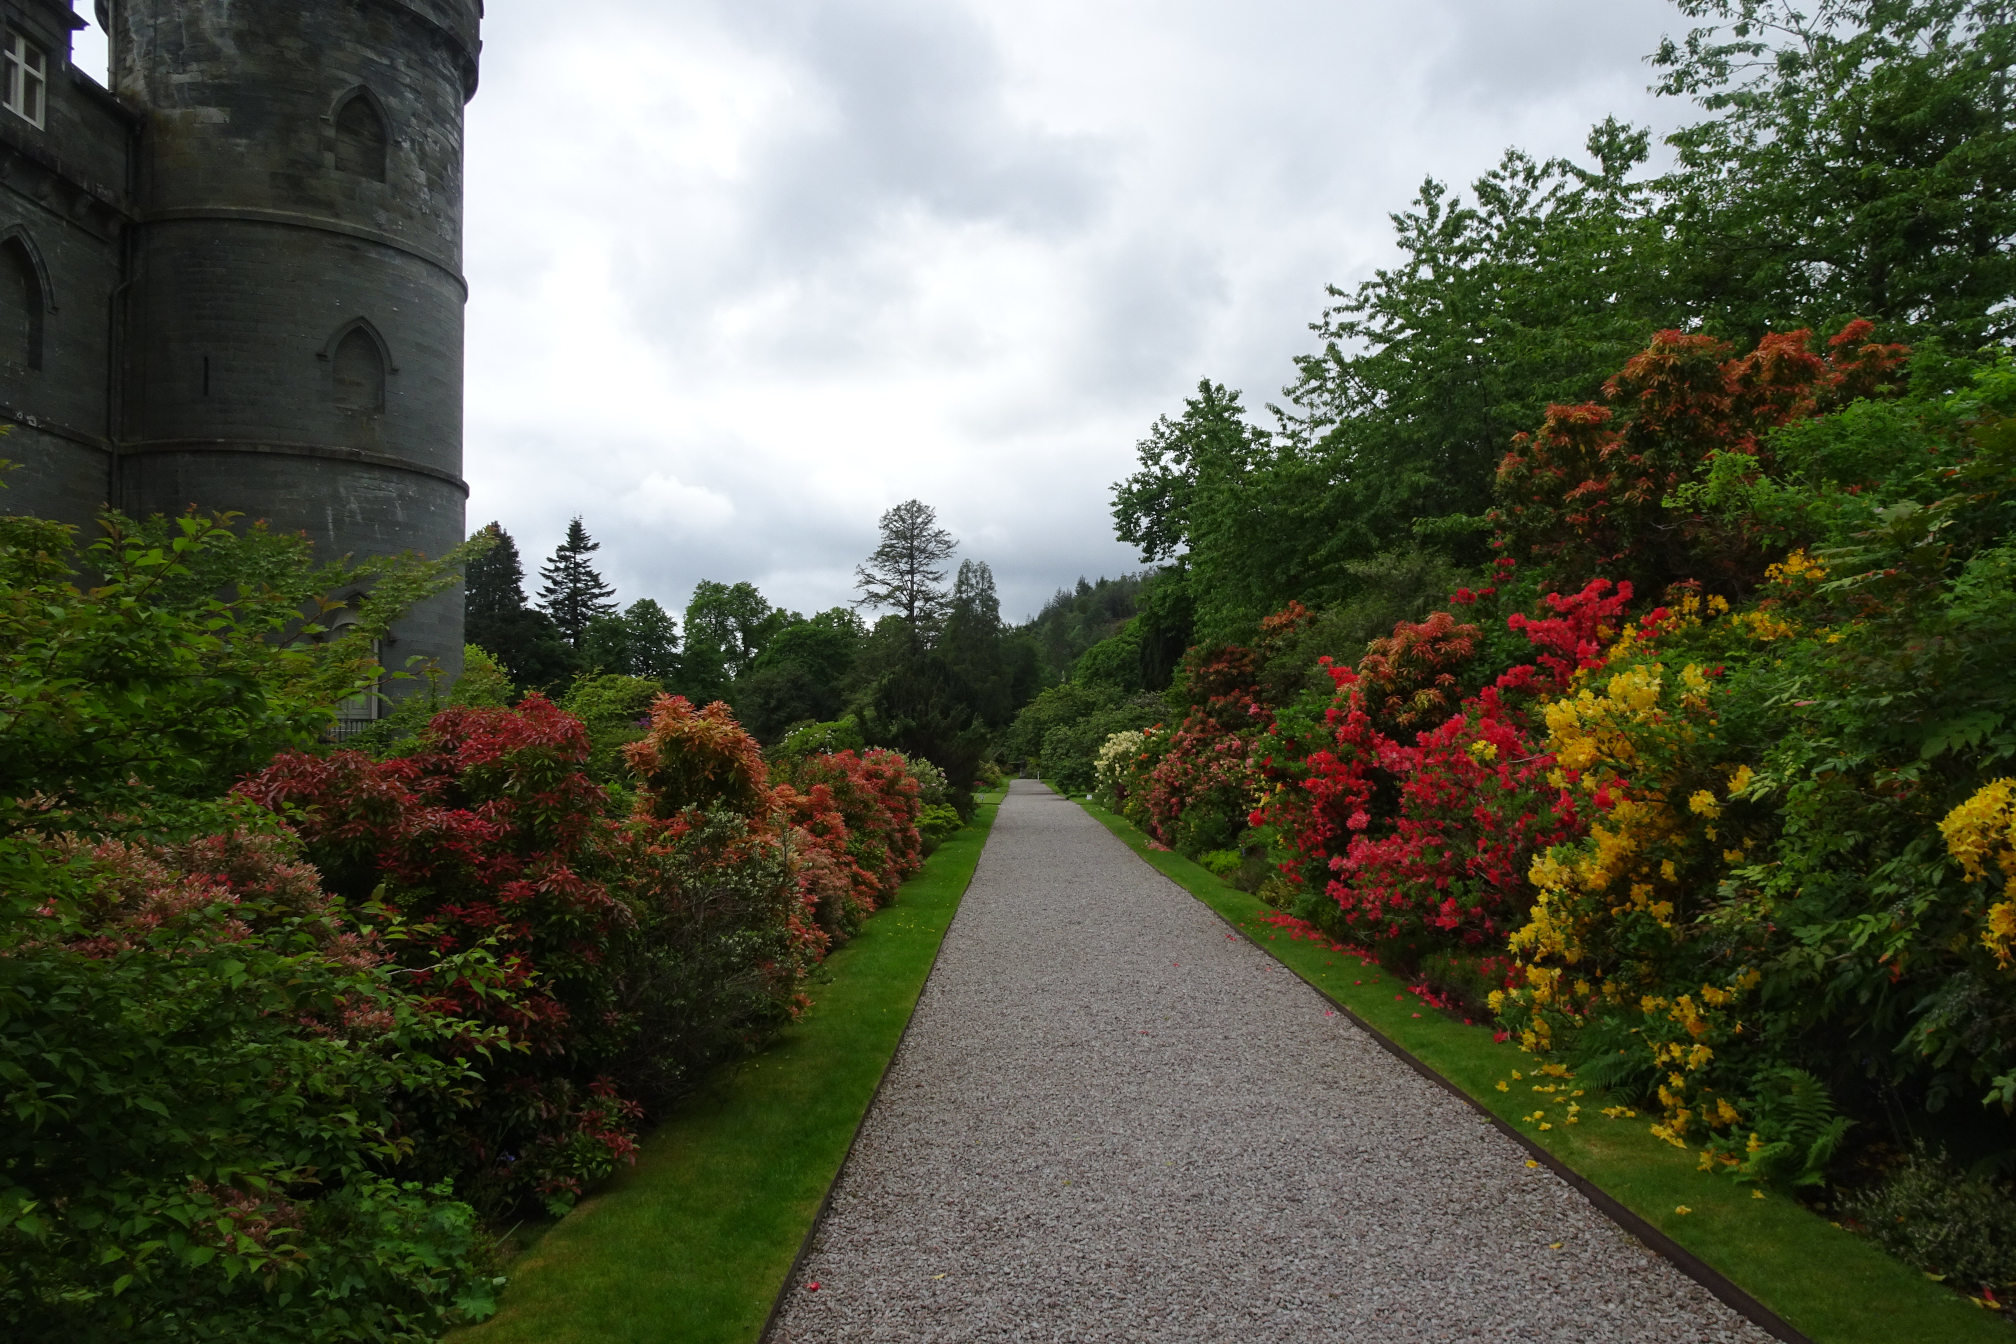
{"points": [[1949, 1222], [937, 824], [208, 1065]]}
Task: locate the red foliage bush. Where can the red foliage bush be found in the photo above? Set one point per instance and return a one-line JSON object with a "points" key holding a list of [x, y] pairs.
{"points": [[1409, 678], [632, 949], [1196, 795], [1585, 493], [875, 803], [696, 758], [490, 834]]}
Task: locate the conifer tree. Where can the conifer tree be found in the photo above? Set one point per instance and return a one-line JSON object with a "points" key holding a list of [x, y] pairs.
{"points": [[907, 571], [574, 593], [972, 640], [493, 588], [498, 619], [654, 640]]}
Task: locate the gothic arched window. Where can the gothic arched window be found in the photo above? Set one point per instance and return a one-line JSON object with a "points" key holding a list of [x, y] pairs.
{"points": [[21, 305], [359, 366], [361, 138]]}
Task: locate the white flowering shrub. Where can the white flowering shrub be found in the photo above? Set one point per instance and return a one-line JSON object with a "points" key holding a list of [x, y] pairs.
{"points": [[1113, 765]]}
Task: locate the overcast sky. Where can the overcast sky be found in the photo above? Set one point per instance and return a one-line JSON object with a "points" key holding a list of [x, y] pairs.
{"points": [[745, 273]]}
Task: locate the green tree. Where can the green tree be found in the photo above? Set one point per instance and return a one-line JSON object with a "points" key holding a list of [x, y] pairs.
{"points": [[973, 642], [923, 707], [574, 594], [802, 673], [1529, 293], [640, 641], [498, 619], [727, 625], [1072, 621], [606, 647], [1859, 160], [654, 640], [1151, 508], [906, 573]]}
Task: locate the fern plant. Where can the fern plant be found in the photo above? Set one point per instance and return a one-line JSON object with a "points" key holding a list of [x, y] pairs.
{"points": [[1795, 1131]]}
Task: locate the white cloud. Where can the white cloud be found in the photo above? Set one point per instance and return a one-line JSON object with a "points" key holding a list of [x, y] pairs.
{"points": [[661, 499]]}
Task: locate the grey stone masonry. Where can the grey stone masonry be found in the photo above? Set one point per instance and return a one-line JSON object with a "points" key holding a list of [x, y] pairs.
{"points": [[234, 281]]}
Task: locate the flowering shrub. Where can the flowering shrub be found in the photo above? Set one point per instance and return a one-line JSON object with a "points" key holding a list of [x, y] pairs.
{"points": [[255, 1200], [1202, 784], [268, 1049], [1980, 831], [1706, 855], [208, 1067], [1756, 891], [876, 799], [838, 891], [1615, 915], [492, 835], [1424, 843], [1113, 767]]}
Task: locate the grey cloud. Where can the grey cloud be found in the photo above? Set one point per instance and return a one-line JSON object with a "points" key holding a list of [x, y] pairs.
{"points": [[1009, 289], [919, 119]]}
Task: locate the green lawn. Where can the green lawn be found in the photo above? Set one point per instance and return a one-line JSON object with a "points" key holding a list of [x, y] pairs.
{"points": [[1831, 1284], [693, 1243]]}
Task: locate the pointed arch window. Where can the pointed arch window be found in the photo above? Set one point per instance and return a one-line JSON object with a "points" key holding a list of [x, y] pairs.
{"points": [[361, 137], [358, 363], [21, 306]]}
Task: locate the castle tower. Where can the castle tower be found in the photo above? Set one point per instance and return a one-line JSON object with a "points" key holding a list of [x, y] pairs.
{"points": [[293, 328]]}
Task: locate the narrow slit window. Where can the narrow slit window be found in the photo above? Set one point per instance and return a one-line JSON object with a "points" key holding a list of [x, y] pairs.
{"points": [[27, 91], [21, 304], [361, 139], [360, 372]]}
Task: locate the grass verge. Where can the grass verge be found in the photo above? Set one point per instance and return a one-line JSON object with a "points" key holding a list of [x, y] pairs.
{"points": [[1828, 1283], [693, 1242]]}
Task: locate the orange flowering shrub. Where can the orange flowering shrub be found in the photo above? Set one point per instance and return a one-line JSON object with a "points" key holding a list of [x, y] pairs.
{"points": [[696, 758], [864, 807]]}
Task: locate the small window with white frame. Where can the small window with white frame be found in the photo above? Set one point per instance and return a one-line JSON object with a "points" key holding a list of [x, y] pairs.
{"points": [[27, 68]]}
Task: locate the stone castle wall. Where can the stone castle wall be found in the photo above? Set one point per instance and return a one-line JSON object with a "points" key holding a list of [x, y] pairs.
{"points": [[261, 309]]}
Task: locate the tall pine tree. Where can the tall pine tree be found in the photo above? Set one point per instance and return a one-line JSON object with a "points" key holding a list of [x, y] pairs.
{"points": [[574, 593], [493, 588]]}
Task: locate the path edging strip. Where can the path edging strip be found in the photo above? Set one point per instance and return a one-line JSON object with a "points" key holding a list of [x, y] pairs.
{"points": [[881, 1081], [1730, 1293]]}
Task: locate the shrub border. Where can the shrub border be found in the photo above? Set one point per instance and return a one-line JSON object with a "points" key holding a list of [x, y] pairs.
{"points": [[549, 1317], [1214, 894]]}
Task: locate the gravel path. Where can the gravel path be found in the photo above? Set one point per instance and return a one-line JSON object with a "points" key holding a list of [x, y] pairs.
{"points": [[1113, 1121]]}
